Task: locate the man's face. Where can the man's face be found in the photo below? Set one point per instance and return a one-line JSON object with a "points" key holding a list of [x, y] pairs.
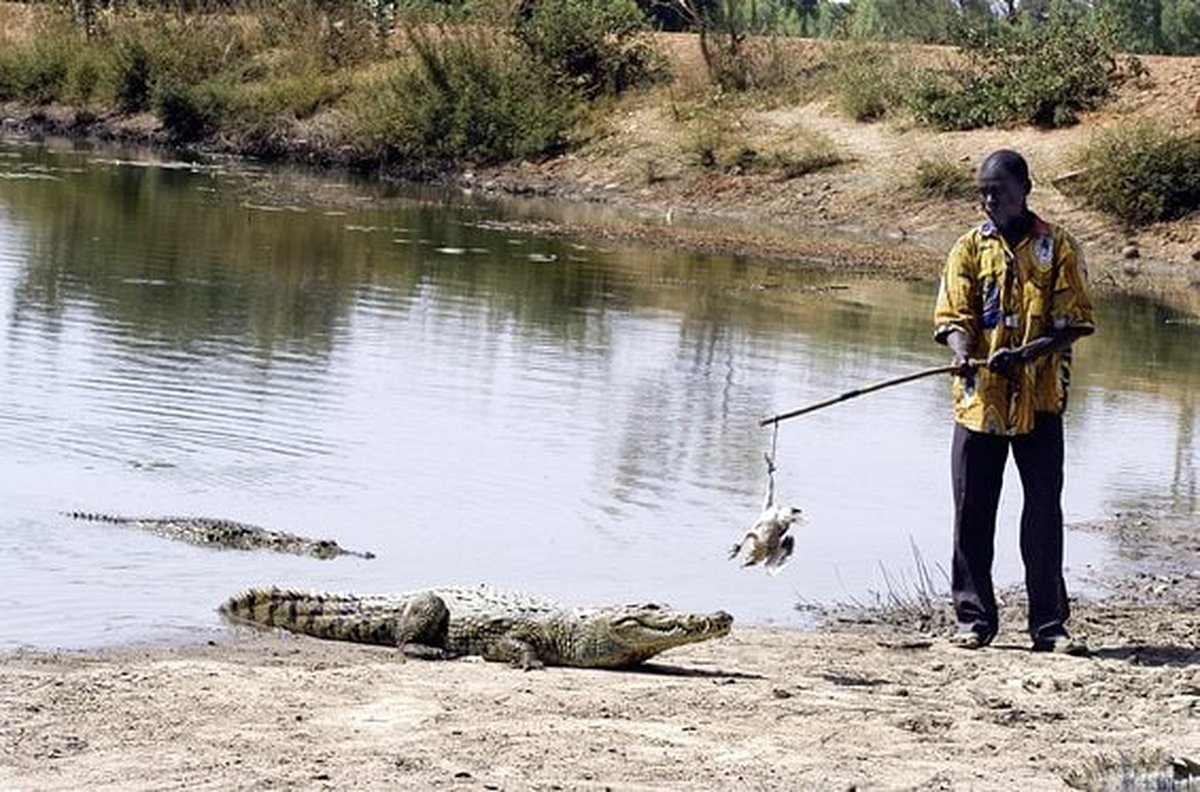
{"points": [[1001, 194]]}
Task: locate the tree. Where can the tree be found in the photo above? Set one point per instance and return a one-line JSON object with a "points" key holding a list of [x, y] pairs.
{"points": [[1181, 27], [1137, 23]]}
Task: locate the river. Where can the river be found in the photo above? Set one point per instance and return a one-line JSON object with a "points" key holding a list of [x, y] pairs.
{"points": [[411, 373]]}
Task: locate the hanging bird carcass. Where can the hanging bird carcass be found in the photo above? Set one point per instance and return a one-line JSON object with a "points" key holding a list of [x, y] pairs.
{"points": [[767, 542]]}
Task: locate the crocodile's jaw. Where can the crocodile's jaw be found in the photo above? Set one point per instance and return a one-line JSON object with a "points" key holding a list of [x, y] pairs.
{"points": [[626, 635]]}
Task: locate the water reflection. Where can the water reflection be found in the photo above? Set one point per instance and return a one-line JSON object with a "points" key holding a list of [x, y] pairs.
{"points": [[473, 403]]}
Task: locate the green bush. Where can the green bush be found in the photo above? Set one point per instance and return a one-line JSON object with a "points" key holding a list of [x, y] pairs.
{"points": [[84, 76], [464, 96], [1142, 172], [131, 74], [191, 112], [598, 46], [868, 84], [1043, 74], [943, 178], [35, 74]]}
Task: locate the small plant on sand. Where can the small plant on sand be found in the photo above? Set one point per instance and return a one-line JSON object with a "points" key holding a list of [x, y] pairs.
{"points": [[806, 152], [918, 603], [941, 177], [1142, 172], [1122, 771]]}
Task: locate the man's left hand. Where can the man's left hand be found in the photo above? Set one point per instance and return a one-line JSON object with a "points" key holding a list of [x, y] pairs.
{"points": [[1005, 361]]}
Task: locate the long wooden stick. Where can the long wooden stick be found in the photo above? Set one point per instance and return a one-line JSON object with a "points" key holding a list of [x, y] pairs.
{"points": [[930, 372]]}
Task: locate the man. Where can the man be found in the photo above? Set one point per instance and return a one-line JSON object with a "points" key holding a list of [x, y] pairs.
{"points": [[1013, 295]]}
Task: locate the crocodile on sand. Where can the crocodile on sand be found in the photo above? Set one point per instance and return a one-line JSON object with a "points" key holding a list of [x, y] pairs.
{"points": [[227, 534], [443, 623]]}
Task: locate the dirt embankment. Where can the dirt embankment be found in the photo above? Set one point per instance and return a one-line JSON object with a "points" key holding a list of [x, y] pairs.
{"points": [[864, 214]]}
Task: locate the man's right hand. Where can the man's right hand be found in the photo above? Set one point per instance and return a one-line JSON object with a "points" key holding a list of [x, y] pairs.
{"points": [[960, 344]]}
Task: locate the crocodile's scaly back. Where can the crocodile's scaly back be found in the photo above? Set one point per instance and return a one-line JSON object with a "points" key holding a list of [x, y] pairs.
{"points": [[491, 623], [216, 532]]}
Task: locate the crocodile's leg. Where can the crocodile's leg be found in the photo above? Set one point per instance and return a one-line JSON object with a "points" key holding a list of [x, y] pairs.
{"points": [[422, 628], [514, 650]]}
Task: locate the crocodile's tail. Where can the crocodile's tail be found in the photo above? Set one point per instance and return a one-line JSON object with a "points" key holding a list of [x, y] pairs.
{"points": [[98, 517], [332, 616]]}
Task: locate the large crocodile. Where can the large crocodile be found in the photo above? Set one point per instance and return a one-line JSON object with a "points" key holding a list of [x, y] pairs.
{"points": [[227, 534], [498, 625]]}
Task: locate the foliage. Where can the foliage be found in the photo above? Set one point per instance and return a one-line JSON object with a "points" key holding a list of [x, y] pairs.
{"points": [[1142, 172], [1181, 27], [464, 97], [189, 112], [1040, 74], [869, 81], [333, 33], [599, 46], [38, 72], [131, 73], [943, 178]]}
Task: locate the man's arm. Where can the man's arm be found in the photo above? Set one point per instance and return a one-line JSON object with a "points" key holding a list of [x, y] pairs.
{"points": [[955, 318], [960, 344]]}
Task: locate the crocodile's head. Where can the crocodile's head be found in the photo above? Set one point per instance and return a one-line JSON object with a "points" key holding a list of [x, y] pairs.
{"points": [[625, 635]]}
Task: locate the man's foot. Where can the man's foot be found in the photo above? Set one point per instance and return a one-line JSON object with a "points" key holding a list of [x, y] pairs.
{"points": [[1061, 644], [969, 639]]}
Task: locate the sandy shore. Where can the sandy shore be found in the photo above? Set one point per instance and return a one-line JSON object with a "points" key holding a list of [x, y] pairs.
{"points": [[871, 701]]}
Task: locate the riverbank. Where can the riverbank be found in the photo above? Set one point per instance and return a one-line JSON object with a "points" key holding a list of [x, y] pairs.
{"points": [[866, 703]]}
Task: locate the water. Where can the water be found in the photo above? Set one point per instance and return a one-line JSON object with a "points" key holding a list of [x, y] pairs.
{"points": [[409, 375]]}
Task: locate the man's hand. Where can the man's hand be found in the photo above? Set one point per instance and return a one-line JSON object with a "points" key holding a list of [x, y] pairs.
{"points": [[1004, 361], [960, 343]]}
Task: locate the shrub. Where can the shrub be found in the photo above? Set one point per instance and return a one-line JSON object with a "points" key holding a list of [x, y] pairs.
{"points": [[942, 178], [190, 112], [716, 141], [599, 46], [867, 82], [38, 71], [464, 96], [131, 74], [1042, 74], [806, 152], [335, 33], [1142, 172], [83, 77], [794, 164]]}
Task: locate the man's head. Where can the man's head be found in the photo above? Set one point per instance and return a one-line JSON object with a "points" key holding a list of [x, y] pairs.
{"points": [[1003, 186]]}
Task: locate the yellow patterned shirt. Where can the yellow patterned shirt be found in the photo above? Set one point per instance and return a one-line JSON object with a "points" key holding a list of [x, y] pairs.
{"points": [[1005, 298]]}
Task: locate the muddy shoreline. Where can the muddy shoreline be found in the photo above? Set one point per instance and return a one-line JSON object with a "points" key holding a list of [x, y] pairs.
{"points": [[869, 701]]}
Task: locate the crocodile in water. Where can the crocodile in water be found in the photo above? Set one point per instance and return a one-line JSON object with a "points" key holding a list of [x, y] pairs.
{"points": [[494, 624], [226, 534]]}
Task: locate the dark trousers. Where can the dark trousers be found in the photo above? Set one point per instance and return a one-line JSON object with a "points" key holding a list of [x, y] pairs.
{"points": [[977, 470]]}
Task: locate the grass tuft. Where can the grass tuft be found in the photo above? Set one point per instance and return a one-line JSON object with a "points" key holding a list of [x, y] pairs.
{"points": [[941, 177]]}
